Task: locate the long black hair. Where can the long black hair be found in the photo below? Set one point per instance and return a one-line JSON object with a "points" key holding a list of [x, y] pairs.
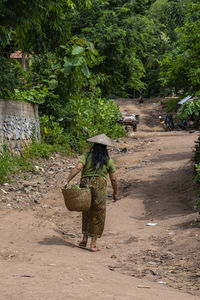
{"points": [[100, 155]]}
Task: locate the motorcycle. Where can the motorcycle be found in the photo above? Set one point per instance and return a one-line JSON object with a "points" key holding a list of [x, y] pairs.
{"points": [[167, 122]]}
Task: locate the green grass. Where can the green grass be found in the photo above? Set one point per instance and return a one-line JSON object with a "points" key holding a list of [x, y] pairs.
{"points": [[12, 164]]}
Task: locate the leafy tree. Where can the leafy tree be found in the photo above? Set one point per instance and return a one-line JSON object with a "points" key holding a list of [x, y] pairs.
{"points": [[124, 38], [10, 73], [189, 109], [168, 15], [35, 25], [89, 116], [60, 77], [65, 73], [181, 66]]}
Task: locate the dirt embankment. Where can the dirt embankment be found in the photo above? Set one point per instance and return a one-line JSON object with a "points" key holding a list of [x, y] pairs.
{"points": [[150, 247]]}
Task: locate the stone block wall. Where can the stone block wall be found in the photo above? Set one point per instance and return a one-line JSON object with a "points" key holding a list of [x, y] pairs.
{"points": [[18, 123]]}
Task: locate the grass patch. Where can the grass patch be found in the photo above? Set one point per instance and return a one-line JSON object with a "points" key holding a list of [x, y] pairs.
{"points": [[44, 150], [12, 164]]}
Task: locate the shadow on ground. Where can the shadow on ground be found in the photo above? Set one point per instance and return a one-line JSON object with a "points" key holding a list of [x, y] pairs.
{"points": [[169, 193], [56, 241]]}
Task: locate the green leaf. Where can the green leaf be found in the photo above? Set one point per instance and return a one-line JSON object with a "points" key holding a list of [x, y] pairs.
{"points": [[85, 70], [78, 61], [67, 60], [67, 67], [77, 50], [53, 84]]}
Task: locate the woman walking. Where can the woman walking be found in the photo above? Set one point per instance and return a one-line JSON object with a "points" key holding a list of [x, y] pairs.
{"points": [[94, 167]]}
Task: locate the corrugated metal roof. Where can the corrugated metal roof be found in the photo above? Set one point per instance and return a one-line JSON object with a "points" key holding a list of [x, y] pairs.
{"points": [[184, 99], [17, 54]]}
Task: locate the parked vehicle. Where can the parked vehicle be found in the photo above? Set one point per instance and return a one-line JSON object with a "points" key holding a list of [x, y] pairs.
{"points": [[129, 120], [167, 122]]}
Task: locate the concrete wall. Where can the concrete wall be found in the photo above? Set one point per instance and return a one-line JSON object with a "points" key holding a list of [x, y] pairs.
{"points": [[18, 122]]}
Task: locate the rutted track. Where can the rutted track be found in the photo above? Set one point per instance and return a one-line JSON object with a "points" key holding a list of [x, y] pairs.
{"points": [[38, 254]]}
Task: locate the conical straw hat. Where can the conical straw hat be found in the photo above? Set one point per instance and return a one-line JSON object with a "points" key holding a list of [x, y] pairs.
{"points": [[101, 139]]}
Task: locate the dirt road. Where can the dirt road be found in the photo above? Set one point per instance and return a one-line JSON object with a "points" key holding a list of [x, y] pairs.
{"points": [[150, 247]]}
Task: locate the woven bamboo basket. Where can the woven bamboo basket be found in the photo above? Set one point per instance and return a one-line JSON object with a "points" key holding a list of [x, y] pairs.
{"points": [[77, 199]]}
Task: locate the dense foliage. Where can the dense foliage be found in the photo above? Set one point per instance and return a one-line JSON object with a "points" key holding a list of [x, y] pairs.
{"points": [[85, 52], [35, 25], [126, 39], [180, 67], [196, 160], [10, 73], [132, 37], [189, 109]]}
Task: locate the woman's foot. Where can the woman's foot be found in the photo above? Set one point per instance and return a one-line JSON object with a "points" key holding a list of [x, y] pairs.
{"points": [[94, 249], [93, 246], [83, 243]]}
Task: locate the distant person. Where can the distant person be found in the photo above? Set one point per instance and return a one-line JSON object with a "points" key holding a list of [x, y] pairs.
{"points": [[140, 98], [95, 165], [183, 125], [190, 123]]}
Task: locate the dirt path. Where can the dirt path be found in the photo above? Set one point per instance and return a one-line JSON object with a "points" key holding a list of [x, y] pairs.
{"points": [[39, 259]]}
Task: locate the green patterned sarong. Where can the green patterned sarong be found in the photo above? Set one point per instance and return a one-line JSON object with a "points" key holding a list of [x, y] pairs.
{"points": [[93, 220]]}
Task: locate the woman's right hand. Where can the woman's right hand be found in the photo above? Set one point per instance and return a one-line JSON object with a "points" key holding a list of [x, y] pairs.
{"points": [[66, 185], [73, 173]]}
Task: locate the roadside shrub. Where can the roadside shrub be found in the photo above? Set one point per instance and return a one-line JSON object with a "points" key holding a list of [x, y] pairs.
{"points": [[33, 95], [189, 108], [196, 162], [197, 181], [172, 105], [37, 150], [52, 133], [4, 163], [53, 139], [43, 150], [11, 164], [87, 117]]}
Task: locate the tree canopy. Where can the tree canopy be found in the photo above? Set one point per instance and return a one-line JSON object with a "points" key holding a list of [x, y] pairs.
{"points": [[35, 25], [181, 66], [124, 37], [96, 50]]}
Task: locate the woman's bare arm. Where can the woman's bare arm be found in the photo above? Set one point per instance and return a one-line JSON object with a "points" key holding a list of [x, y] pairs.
{"points": [[113, 179], [74, 172]]}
